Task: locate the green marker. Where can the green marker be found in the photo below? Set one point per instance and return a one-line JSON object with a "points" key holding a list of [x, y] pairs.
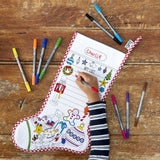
{"points": [[46, 65]]}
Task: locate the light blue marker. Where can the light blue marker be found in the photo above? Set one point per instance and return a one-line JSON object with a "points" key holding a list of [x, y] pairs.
{"points": [[100, 12], [40, 60]]}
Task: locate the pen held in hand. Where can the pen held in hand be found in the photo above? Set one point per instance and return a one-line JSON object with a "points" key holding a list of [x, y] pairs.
{"points": [[88, 85]]}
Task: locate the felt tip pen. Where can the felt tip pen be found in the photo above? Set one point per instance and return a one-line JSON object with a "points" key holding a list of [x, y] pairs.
{"points": [[140, 104], [118, 116], [54, 50], [88, 85], [127, 114], [95, 22], [21, 69], [40, 60], [34, 61], [105, 19]]}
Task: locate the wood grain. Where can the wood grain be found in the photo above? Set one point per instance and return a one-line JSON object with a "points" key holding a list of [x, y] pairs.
{"points": [[23, 20]]}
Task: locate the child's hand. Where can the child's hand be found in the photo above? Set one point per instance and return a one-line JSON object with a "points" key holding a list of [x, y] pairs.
{"points": [[92, 95]]}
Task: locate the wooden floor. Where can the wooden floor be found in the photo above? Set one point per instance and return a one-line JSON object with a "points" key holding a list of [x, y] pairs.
{"points": [[23, 20]]}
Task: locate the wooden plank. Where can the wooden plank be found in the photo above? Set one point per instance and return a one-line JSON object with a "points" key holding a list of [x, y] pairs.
{"points": [[71, 14], [137, 147], [146, 52]]}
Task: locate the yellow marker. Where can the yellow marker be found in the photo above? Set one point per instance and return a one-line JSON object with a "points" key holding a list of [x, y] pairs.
{"points": [[20, 67]]}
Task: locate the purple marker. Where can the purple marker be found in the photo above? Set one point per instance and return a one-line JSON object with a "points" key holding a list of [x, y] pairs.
{"points": [[127, 114], [118, 116]]}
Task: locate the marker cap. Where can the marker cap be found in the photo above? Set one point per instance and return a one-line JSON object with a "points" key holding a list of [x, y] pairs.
{"points": [[58, 41], [123, 134], [97, 8], [42, 74], [116, 40], [136, 121], [15, 52], [33, 79], [94, 89], [44, 43], [145, 86], [127, 97], [127, 133], [28, 86], [91, 18], [35, 44], [37, 78], [118, 37], [114, 100]]}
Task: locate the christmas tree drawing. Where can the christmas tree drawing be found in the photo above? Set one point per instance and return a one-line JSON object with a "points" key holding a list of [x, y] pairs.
{"points": [[108, 76]]}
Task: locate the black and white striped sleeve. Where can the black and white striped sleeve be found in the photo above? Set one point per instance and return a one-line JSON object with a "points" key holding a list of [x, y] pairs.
{"points": [[100, 143]]}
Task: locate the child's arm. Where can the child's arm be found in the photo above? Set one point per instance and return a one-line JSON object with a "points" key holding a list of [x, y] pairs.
{"points": [[98, 125]]}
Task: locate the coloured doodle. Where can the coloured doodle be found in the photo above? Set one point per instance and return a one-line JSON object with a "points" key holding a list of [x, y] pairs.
{"points": [[67, 70], [72, 116]]}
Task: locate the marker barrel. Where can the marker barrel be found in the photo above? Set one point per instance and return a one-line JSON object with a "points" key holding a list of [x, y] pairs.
{"points": [[34, 61], [127, 115], [103, 29], [50, 58], [140, 104], [21, 70]]}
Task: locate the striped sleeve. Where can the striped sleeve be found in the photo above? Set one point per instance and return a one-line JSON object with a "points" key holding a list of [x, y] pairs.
{"points": [[99, 131]]}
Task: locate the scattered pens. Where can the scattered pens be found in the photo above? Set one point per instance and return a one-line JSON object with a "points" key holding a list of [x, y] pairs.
{"points": [[127, 114], [95, 22], [118, 116], [105, 19], [140, 104], [46, 65], [40, 60], [34, 61], [21, 69]]}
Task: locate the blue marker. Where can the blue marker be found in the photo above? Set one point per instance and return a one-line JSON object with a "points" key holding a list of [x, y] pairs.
{"points": [[40, 60], [127, 114], [100, 12]]}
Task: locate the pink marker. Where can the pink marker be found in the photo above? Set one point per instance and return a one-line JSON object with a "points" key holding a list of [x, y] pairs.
{"points": [[118, 115]]}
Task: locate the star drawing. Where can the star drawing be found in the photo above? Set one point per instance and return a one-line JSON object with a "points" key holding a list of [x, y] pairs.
{"points": [[103, 83], [84, 62]]}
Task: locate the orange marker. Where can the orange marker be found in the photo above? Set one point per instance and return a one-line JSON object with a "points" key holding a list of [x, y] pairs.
{"points": [[34, 61]]}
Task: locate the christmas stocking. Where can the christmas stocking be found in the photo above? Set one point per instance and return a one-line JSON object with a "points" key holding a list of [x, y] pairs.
{"points": [[63, 120]]}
